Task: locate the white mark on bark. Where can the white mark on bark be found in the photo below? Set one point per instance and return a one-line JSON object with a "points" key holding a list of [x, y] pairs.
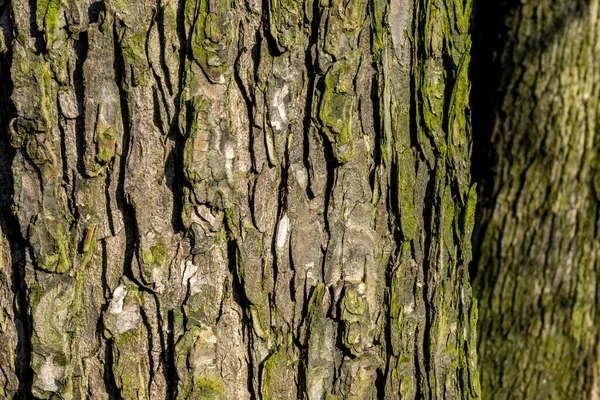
{"points": [[49, 375], [190, 270], [282, 231], [116, 304], [362, 289], [279, 115], [300, 175]]}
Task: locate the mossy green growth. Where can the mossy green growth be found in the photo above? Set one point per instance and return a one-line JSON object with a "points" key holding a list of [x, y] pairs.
{"points": [[3, 49], [89, 244], [315, 302], [353, 305], [57, 260], [159, 253], [285, 22], [459, 101], [354, 313], [46, 18], [406, 189], [329, 396], [468, 221], [106, 141], [21, 130], [337, 106], [272, 369], [209, 39], [133, 50], [377, 18], [208, 387], [336, 113], [155, 254]]}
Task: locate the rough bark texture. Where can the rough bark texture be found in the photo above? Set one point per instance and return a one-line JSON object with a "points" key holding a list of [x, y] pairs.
{"points": [[236, 199], [537, 274]]}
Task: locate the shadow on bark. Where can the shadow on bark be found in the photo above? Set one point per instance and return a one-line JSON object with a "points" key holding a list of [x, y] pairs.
{"points": [[506, 53], [10, 226], [488, 73]]}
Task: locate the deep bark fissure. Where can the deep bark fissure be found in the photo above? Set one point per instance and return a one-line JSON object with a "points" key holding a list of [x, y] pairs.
{"points": [[11, 228], [125, 207], [81, 46]]}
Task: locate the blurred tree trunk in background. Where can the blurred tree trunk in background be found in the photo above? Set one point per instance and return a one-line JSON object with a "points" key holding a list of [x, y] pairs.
{"points": [[537, 274], [236, 199]]}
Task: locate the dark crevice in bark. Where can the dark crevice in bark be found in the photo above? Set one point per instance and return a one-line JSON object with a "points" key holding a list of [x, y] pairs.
{"points": [[245, 95], [158, 96], [94, 11], [20, 306], [108, 376], [109, 211], [239, 297], [387, 329], [379, 129], [311, 73], [174, 180], [105, 287], [109, 379], [261, 369], [81, 47], [171, 372], [11, 227], [36, 34], [266, 30], [165, 359], [177, 178], [65, 169], [159, 19], [450, 70], [430, 214], [124, 204], [331, 175], [149, 350], [380, 383]]}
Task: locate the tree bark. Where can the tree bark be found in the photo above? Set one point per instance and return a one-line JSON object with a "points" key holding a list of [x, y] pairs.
{"points": [[237, 199], [537, 272]]}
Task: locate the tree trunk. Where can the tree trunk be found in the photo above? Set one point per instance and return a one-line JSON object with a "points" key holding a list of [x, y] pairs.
{"points": [[236, 199], [537, 274]]}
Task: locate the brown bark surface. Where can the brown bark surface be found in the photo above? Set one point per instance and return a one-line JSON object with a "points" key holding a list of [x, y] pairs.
{"points": [[236, 199]]}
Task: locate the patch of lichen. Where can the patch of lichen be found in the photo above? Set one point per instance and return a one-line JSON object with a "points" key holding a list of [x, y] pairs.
{"points": [[354, 313], [468, 222], [47, 13], [406, 184], [133, 50], [377, 11], [208, 387], [156, 254], [211, 35], [106, 142], [337, 107], [343, 26], [51, 245], [3, 49], [88, 247], [273, 370], [32, 77], [286, 22]]}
